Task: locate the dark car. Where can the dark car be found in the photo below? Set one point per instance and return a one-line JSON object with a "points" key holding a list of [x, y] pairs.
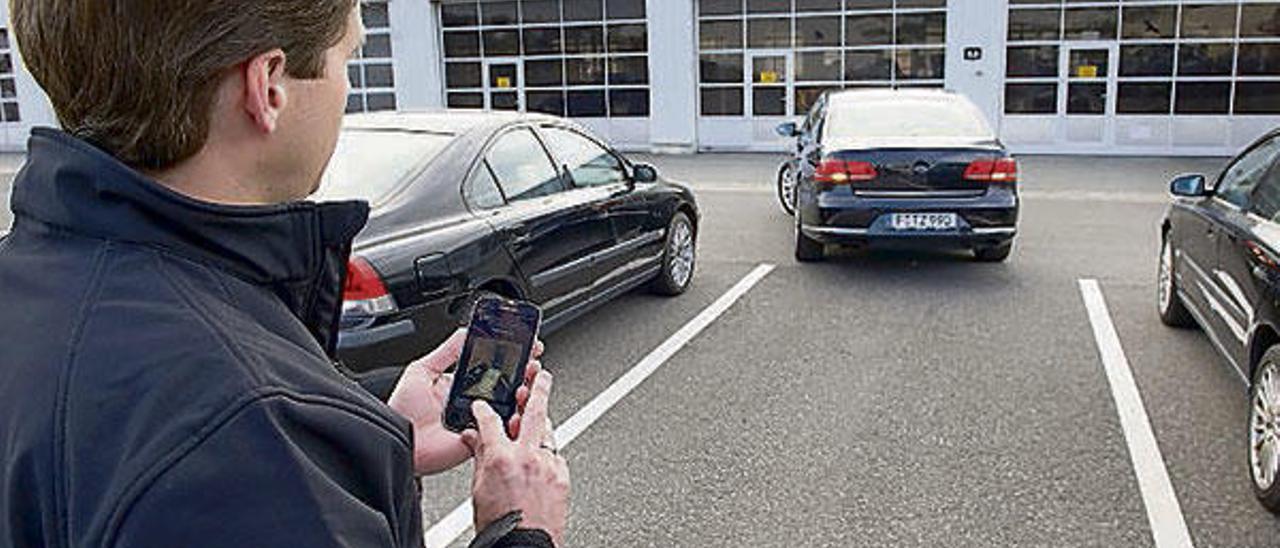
{"points": [[466, 203], [1220, 268], [899, 169]]}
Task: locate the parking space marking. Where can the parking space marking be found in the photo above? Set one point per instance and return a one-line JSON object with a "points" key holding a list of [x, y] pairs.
{"points": [[1164, 514], [447, 530]]}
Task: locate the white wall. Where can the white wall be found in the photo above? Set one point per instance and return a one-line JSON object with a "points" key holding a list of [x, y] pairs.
{"points": [[33, 104], [673, 80], [416, 48], [981, 24]]}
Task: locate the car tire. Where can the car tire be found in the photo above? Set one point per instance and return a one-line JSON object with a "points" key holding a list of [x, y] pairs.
{"points": [[993, 254], [1173, 312], [787, 188], [808, 250], [1264, 432], [679, 257]]}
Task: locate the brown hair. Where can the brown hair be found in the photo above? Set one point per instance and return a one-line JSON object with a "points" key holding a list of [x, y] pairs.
{"points": [[138, 77]]}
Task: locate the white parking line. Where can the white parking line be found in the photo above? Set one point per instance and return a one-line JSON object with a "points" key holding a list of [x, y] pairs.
{"points": [[1164, 514], [458, 521]]}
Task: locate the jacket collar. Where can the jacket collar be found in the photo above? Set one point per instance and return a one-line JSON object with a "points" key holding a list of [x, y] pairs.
{"points": [[297, 250]]}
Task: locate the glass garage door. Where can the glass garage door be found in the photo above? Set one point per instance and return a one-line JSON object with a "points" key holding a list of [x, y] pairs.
{"points": [[1156, 77], [762, 62], [586, 59]]}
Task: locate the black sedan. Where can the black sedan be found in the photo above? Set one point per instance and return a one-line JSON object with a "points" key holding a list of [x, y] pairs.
{"points": [[1220, 268], [899, 169], [466, 203]]}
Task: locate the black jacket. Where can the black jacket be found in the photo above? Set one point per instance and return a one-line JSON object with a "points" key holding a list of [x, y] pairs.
{"points": [[165, 371]]}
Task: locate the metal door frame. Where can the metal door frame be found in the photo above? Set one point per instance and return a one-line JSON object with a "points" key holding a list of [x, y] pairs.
{"points": [[489, 89]]}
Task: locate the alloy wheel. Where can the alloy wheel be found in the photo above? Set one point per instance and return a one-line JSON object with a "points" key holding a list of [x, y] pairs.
{"points": [[682, 253], [1264, 428], [1164, 287]]}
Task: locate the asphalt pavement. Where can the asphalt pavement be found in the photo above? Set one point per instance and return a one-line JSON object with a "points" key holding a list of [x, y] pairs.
{"points": [[899, 399]]}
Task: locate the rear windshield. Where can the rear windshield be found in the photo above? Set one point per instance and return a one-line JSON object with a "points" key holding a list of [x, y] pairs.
{"points": [[367, 165], [906, 117]]}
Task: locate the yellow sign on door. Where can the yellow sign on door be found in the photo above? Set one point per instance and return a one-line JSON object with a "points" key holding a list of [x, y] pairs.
{"points": [[768, 77], [1087, 71], [504, 82]]}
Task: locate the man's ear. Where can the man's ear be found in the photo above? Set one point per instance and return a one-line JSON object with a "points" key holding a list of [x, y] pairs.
{"points": [[264, 94]]}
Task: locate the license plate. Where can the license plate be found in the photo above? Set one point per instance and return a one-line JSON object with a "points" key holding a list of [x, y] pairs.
{"points": [[923, 221]]}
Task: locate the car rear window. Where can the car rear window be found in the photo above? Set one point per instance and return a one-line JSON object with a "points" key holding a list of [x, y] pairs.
{"points": [[906, 117], [369, 164]]}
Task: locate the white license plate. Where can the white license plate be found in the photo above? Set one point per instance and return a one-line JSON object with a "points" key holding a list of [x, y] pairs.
{"points": [[923, 221]]}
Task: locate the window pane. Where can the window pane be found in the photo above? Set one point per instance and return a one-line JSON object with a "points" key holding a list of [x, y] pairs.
{"points": [[585, 71], [628, 38], [868, 65], [546, 102], [481, 190], [817, 31], [355, 103], [769, 33], [1259, 59], [722, 101], [1030, 61], [807, 96], [1260, 20], [466, 100], [540, 11], [769, 101], [1042, 24], [818, 66], [869, 30], [584, 39], [380, 101], [628, 102], [374, 15], [1245, 174], [498, 13], [869, 4], [721, 68], [1088, 63], [922, 28], [461, 44], [628, 70], [377, 45], [922, 4], [720, 35], [1258, 98], [769, 70], [1146, 60], [459, 15], [542, 41], [1202, 98], [1086, 98], [503, 77], [1213, 21], [368, 165], [589, 163], [1204, 59], [1090, 24], [356, 78], [1144, 97], [583, 10], [817, 5], [587, 103], [1149, 21], [8, 89], [1031, 98], [462, 75], [625, 9], [543, 73], [919, 64], [501, 43], [768, 6], [379, 76], [719, 7], [504, 101], [522, 167]]}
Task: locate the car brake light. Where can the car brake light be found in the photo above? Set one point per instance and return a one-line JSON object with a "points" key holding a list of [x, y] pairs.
{"points": [[993, 170], [842, 172], [364, 293]]}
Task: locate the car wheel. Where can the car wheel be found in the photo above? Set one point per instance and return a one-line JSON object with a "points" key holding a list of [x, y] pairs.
{"points": [[1264, 430], [1172, 311], [807, 249], [787, 188], [993, 254], [679, 257]]}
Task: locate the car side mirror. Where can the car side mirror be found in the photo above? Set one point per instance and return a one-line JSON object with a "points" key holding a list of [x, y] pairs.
{"points": [[788, 129], [1192, 185], [644, 173]]}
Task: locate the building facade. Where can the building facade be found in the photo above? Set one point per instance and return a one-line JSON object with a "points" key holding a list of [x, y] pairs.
{"points": [[1139, 77]]}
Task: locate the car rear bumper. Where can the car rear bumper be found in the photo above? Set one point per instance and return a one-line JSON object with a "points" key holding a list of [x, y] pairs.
{"points": [[973, 237], [397, 341], [842, 216]]}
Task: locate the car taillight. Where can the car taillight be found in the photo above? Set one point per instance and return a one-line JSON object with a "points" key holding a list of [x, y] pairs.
{"points": [[364, 294], [992, 170], [841, 172]]}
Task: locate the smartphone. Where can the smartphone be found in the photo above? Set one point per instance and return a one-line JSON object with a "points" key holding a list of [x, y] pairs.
{"points": [[492, 365]]}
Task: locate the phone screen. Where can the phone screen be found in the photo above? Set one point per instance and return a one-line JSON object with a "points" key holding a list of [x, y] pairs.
{"points": [[492, 365]]}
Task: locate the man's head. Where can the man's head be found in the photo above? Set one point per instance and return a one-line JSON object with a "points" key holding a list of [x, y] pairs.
{"points": [[248, 91]]}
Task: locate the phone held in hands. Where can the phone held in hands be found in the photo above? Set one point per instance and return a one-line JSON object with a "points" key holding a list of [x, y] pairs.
{"points": [[494, 356]]}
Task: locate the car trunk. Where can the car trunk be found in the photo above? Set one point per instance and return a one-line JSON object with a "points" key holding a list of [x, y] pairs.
{"points": [[938, 168]]}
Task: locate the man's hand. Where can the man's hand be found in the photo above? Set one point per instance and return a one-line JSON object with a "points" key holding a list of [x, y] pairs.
{"points": [[525, 474], [421, 395]]}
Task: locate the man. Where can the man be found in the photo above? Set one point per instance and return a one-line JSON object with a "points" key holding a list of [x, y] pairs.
{"points": [[170, 303]]}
